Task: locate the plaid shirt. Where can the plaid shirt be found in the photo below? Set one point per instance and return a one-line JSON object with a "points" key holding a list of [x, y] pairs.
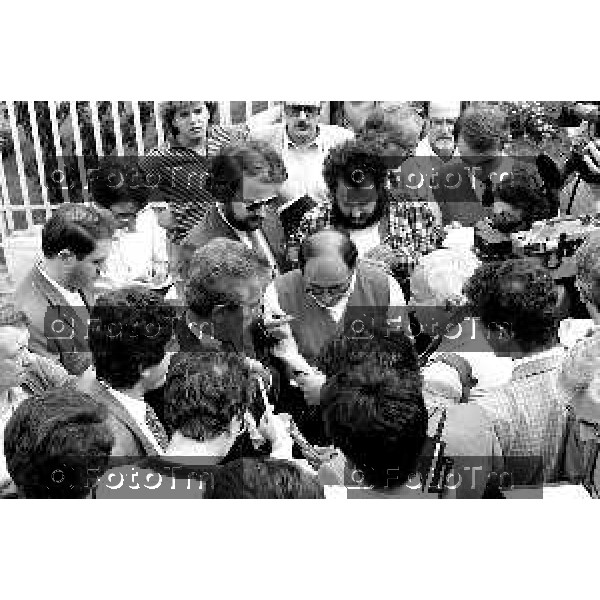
{"points": [[409, 228], [530, 416]]}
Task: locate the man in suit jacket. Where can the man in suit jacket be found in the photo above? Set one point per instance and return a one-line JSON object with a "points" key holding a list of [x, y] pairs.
{"points": [[129, 332], [464, 186], [56, 293], [244, 179]]}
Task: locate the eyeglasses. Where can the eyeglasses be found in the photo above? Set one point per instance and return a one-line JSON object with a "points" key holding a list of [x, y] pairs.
{"points": [[294, 111], [317, 290], [254, 205]]}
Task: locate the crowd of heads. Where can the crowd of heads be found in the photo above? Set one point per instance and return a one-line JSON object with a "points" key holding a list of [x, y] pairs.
{"points": [[372, 405]]}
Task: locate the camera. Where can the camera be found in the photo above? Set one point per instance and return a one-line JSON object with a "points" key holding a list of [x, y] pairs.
{"points": [[555, 239], [576, 163]]}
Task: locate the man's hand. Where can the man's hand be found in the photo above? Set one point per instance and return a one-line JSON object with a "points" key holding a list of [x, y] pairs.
{"points": [[276, 429], [311, 384], [259, 370], [591, 156], [333, 468]]}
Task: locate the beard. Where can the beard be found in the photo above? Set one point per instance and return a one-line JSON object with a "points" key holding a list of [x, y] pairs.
{"points": [[339, 219], [77, 279], [444, 147]]}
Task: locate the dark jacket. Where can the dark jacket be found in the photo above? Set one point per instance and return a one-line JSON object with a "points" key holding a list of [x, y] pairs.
{"points": [[213, 226], [57, 331], [453, 191]]}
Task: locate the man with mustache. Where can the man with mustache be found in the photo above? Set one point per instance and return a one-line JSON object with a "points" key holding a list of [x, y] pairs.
{"points": [[304, 143], [440, 141], [389, 226], [464, 187]]}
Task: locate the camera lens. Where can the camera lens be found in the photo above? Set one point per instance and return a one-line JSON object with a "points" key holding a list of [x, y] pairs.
{"points": [[358, 176]]}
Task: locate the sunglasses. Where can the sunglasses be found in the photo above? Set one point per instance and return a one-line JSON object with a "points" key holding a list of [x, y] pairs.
{"points": [[317, 290], [254, 205], [309, 111]]}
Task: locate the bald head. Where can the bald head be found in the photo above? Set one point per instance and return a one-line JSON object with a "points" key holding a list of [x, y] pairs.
{"points": [[331, 244]]}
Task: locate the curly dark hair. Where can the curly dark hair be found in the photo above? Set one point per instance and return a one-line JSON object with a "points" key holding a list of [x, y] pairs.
{"points": [[76, 228], [252, 478], [52, 440], [205, 391], [361, 152], [526, 191], [220, 261], [519, 295], [169, 110], [483, 127], [373, 406], [129, 331], [249, 157], [116, 180]]}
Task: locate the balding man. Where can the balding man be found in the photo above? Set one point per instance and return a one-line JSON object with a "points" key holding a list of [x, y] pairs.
{"points": [[329, 295], [440, 141], [331, 292], [464, 187]]}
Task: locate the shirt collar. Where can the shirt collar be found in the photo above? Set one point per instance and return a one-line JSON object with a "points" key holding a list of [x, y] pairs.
{"points": [[120, 395], [539, 362], [238, 231], [75, 296]]}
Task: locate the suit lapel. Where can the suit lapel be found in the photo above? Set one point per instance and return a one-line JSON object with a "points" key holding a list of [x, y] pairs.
{"points": [[76, 319], [219, 227], [101, 393]]}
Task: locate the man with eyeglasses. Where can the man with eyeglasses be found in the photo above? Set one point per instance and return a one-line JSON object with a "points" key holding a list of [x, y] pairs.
{"points": [[244, 178], [440, 141], [304, 143], [464, 187], [331, 294]]}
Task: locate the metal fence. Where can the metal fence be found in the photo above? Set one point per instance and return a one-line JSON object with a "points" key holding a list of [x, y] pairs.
{"points": [[36, 127]]}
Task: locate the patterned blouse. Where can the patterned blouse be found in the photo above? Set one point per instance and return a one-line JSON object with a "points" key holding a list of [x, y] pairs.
{"points": [[179, 175], [410, 229]]}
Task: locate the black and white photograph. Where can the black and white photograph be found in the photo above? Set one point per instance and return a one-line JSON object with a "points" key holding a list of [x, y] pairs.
{"points": [[300, 299], [390, 298]]}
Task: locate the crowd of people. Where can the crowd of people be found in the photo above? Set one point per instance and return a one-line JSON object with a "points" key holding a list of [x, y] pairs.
{"points": [[293, 309]]}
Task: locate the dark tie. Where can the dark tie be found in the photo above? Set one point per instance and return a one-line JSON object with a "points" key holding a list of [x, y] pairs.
{"points": [[488, 194], [156, 427]]}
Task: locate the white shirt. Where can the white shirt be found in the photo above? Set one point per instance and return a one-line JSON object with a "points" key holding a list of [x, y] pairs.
{"points": [[137, 409], [366, 239], [72, 298], [134, 254], [304, 164]]}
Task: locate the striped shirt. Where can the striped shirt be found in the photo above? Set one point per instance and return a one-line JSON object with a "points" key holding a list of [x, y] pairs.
{"points": [[179, 176]]}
